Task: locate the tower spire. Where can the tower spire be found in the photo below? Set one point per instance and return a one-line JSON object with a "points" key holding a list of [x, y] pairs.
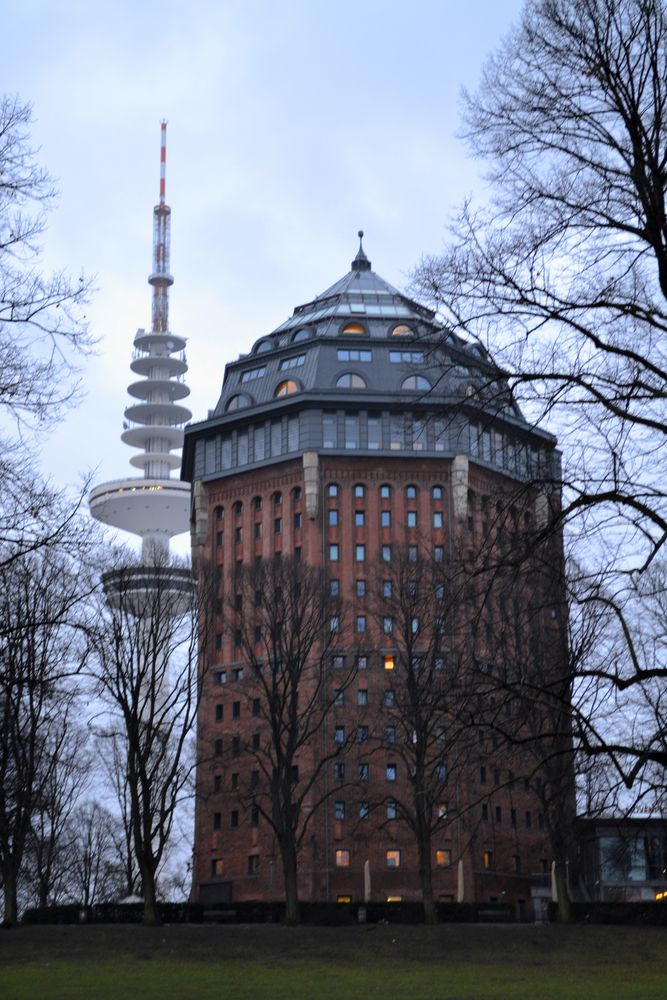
{"points": [[161, 279]]}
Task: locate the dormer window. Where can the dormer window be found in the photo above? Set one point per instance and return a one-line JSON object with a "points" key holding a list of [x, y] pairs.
{"points": [[402, 330], [350, 380], [416, 382], [286, 388], [354, 328]]}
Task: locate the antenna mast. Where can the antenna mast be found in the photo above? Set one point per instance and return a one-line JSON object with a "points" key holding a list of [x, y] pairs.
{"points": [[161, 279]]}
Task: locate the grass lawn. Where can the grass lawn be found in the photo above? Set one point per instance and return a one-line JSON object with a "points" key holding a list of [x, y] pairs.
{"points": [[452, 962]]}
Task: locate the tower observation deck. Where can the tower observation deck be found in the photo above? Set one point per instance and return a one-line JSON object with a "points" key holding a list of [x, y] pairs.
{"points": [[154, 506]]}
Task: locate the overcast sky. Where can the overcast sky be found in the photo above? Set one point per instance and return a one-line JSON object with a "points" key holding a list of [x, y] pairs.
{"points": [[292, 124]]}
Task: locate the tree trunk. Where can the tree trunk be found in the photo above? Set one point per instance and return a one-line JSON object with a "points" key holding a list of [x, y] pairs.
{"points": [[288, 854], [151, 915], [430, 908], [564, 910], [10, 917]]}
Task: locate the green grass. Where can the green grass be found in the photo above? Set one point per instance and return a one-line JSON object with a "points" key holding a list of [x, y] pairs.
{"points": [[253, 963]]}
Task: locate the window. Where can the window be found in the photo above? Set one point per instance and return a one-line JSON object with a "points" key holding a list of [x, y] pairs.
{"points": [[364, 809], [359, 491], [253, 373], [236, 746], [329, 431], [217, 783], [255, 741], [339, 734], [339, 810], [499, 814], [294, 362], [416, 382], [362, 662], [352, 354], [391, 772], [385, 491], [297, 520], [374, 427], [482, 775], [234, 819], [412, 553], [390, 734], [219, 513], [238, 535], [387, 626], [253, 864], [342, 858], [388, 660], [389, 698], [412, 519], [438, 521], [363, 772], [219, 539], [386, 553], [339, 771], [393, 858], [439, 553], [516, 863], [334, 587], [354, 328], [258, 530], [385, 519], [443, 858], [443, 809], [396, 433], [303, 334], [236, 710], [338, 661], [237, 674], [362, 734], [392, 809], [339, 698], [350, 380], [216, 867], [333, 555], [255, 706], [362, 697], [361, 588], [234, 783], [512, 817], [334, 623], [332, 490], [277, 525], [351, 426], [361, 623], [485, 812], [217, 748], [360, 553], [220, 677], [359, 518], [218, 640], [437, 493], [287, 388], [386, 588], [487, 859], [406, 357], [332, 517], [402, 331]]}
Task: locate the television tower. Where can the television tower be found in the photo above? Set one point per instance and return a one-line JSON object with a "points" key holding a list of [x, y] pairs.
{"points": [[154, 507]]}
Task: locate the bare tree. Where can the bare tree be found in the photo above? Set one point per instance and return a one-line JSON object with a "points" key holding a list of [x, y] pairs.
{"points": [[97, 872], [564, 276], [427, 723], [146, 665], [285, 624], [41, 654]]}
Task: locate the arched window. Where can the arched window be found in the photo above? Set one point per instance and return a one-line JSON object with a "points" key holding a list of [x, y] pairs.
{"points": [[332, 490], [437, 492], [302, 334], [385, 491], [402, 330], [350, 380], [354, 328], [286, 388], [238, 402], [219, 513], [296, 493], [359, 491], [238, 508], [257, 503], [415, 382], [277, 498], [264, 345], [411, 492]]}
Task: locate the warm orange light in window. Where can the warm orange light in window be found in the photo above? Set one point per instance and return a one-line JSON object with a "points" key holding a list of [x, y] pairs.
{"points": [[402, 331], [393, 859], [394, 899], [354, 328], [344, 899], [286, 388], [443, 859], [389, 663], [342, 859], [487, 859]]}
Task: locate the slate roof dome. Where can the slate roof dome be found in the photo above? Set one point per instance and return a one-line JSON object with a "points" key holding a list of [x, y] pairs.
{"points": [[361, 366]]}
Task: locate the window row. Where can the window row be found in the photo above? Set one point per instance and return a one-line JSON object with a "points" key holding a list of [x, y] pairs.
{"points": [[385, 553], [347, 328], [385, 491], [359, 518], [250, 444], [393, 857]]}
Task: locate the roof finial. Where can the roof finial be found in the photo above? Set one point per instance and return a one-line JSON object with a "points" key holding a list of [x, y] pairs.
{"points": [[361, 261]]}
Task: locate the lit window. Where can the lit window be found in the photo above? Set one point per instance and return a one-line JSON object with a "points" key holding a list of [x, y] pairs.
{"points": [[443, 858], [393, 858], [402, 330], [343, 899], [487, 859], [342, 858], [350, 380], [286, 388], [388, 661], [394, 899], [443, 809], [354, 328]]}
